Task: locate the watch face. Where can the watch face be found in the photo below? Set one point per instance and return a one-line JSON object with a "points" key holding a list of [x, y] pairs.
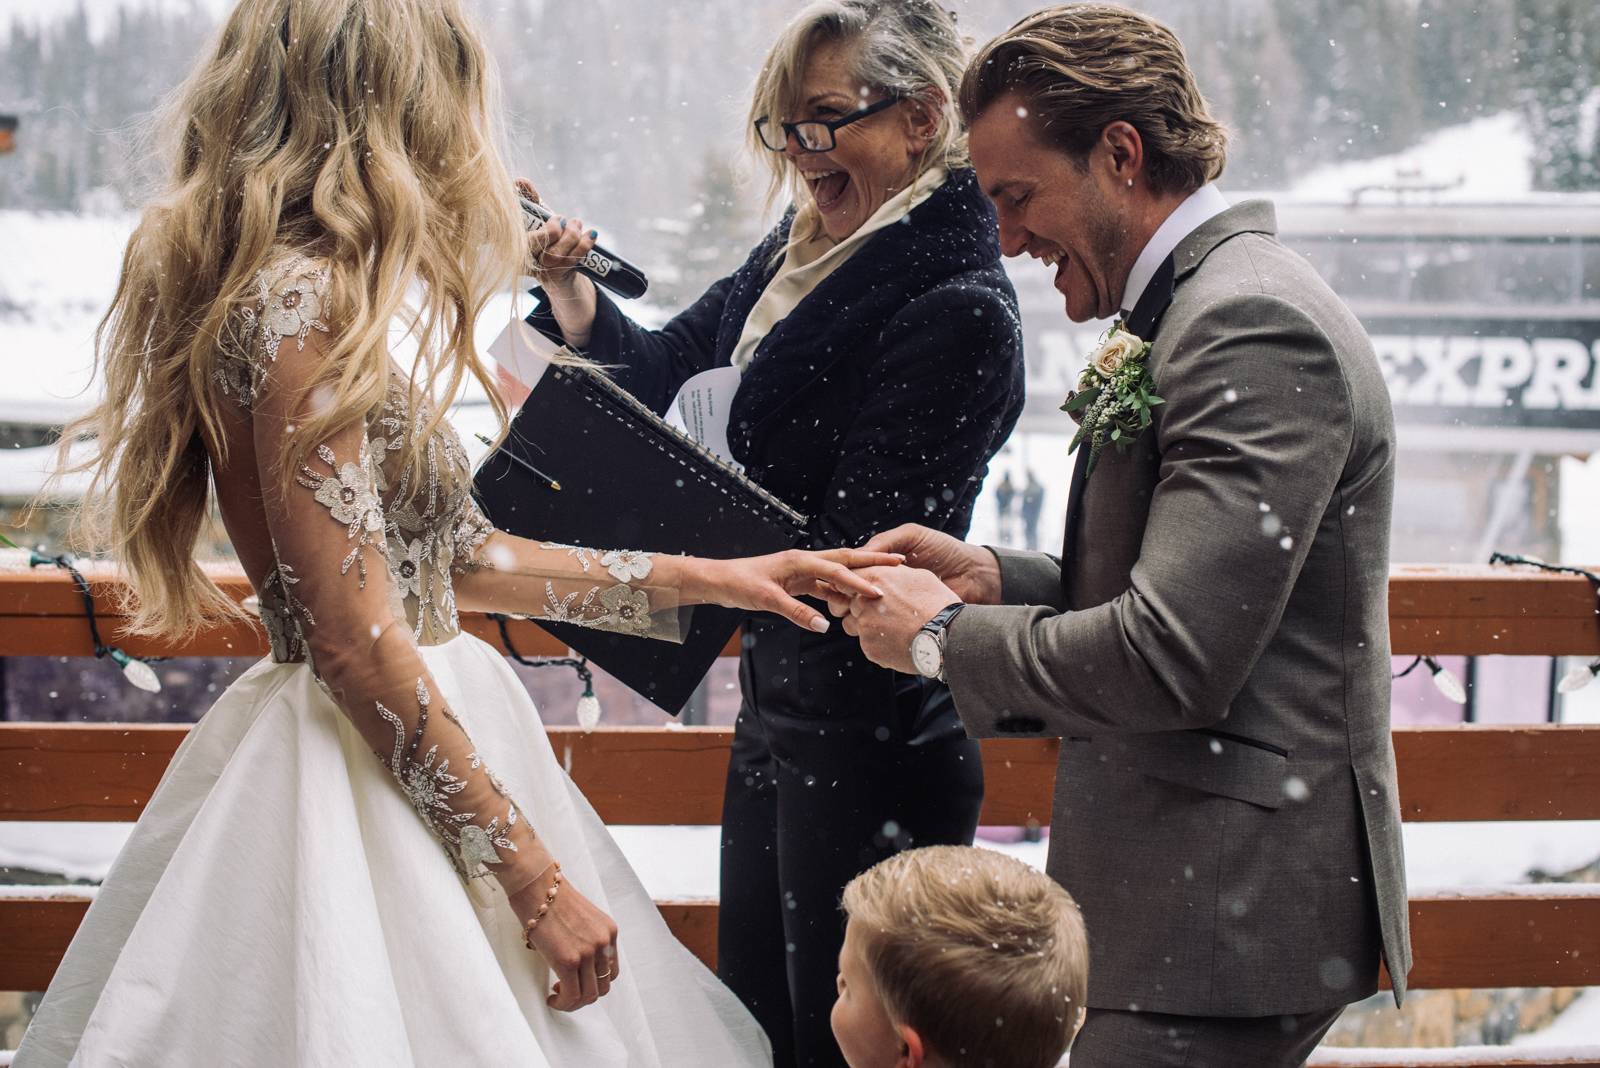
{"points": [[926, 655]]}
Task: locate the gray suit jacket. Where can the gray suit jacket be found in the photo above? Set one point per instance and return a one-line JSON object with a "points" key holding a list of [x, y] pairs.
{"points": [[1213, 647]]}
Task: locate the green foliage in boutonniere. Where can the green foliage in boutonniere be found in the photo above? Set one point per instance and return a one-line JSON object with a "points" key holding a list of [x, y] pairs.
{"points": [[1114, 396]]}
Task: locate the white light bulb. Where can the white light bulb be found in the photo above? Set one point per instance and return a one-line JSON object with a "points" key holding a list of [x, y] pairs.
{"points": [[1449, 685], [589, 711], [1579, 677], [137, 671]]}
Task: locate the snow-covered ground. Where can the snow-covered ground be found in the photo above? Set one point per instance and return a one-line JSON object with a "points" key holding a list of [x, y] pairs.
{"points": [[681, 862], [1577, 1026]]}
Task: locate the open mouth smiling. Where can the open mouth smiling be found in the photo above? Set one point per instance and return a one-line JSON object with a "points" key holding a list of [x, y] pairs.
{"points": [[827, 187]]}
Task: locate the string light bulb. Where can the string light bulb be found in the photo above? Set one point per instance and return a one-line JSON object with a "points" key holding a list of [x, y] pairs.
{"points": [[588, 711], [1446, 682], [136, 671], [588, 707], [1580, 676]]}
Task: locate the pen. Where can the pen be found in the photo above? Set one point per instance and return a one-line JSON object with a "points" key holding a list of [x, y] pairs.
{"points": [[520, 462]]}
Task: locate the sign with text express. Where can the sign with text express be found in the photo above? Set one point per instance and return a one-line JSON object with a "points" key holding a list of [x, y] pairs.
{"points": [[1532, 373]]}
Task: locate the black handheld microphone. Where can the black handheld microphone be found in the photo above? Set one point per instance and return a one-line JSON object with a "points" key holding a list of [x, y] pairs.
{"points": [[600, 265]]}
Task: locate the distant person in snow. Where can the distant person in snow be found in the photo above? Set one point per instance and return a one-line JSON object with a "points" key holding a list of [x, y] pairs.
{"points": [[1005, 499], [1032, 505]]}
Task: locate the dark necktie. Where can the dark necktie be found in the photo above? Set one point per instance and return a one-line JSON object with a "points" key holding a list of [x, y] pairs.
{"points": [[1141, 323]]}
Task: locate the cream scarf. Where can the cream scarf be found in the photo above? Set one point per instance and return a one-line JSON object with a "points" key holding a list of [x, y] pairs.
{"points": [[806, 263]]}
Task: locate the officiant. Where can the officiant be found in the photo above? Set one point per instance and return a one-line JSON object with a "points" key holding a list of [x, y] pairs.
{"points": [[879, 359]]}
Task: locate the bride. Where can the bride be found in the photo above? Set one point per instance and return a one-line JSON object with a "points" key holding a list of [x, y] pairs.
{"points": [[366, 853]]}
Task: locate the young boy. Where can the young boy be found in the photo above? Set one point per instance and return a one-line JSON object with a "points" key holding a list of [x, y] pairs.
{"points": [[956, 957]]}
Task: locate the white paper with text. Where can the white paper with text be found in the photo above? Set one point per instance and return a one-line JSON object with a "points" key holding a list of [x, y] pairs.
{"points": [[701, 408]]}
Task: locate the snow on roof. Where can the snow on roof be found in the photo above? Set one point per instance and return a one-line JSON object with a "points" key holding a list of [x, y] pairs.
{"points": [[1487, 159], [23, 473], [55, 283]]}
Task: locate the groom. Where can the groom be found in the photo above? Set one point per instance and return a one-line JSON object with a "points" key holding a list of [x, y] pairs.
{"points": [[1212, 645]]}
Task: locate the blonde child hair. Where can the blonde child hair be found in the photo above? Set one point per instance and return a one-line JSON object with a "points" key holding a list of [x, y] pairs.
{"points": [[983, 956]]}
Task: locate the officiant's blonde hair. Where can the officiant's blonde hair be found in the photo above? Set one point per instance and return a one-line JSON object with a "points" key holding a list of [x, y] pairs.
{"points": [[1080, 67], [361, 131], [975, 951]]}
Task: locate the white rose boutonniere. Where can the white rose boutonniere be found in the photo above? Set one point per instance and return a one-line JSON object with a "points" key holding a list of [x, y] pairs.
{"points": [[1114, 396]]}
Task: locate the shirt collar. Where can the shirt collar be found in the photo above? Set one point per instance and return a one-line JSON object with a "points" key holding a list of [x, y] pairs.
{"points": [[1198, 207]]}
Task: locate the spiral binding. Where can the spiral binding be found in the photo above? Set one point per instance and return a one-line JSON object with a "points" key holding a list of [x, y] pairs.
{"points": [[593, 380]]}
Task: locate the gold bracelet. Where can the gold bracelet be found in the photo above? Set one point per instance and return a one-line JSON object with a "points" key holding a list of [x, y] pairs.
{"points": [[549, 898]]}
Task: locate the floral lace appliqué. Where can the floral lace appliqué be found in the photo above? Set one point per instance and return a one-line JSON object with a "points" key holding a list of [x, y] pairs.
{"points": [[289, 298], [282, 614], [431, 788], [350, 494], [620, 608], [628, 565], [624, 565]]}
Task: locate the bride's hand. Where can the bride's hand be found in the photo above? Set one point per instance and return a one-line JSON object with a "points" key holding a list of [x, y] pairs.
{"points": [[771, 583], [575, 938]]}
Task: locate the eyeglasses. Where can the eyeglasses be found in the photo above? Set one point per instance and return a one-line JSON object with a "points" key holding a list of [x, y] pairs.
{"points": [[815, 135]]}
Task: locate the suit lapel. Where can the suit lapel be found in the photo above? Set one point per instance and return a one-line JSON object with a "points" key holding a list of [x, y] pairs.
{"points": [[1251, 216], [1074, 498], [1142, 323]]}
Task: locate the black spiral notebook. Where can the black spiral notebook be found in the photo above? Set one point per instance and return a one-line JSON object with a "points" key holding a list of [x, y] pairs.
{"points": [[629, 481]]}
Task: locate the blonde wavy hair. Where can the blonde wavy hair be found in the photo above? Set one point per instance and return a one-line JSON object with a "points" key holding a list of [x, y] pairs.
{"points": [[910, 48], [362, 131]]}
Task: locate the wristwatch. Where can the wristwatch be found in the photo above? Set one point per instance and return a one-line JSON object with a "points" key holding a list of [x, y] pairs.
{"points": [[927, 645]]}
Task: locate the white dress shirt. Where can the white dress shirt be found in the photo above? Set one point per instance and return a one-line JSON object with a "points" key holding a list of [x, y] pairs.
{"points": [[1198, 207]]}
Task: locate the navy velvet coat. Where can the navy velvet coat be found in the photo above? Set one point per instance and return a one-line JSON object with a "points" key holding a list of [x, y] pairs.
{"points": [[879, 400]]}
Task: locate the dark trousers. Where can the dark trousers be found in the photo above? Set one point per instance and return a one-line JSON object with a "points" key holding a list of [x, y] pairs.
{"points": [[812, 802], [1157, 1040]]}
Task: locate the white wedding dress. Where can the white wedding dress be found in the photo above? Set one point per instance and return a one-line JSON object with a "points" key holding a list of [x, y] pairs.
{"points": [[319, 879]]}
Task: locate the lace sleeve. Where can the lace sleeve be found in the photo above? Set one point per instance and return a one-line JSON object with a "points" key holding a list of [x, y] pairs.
{"points": [[286, 304], [616, 590], [328, 526]]}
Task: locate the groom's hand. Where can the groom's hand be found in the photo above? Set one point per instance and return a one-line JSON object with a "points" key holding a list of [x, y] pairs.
{"points": [[886, 624], [970, 570]]}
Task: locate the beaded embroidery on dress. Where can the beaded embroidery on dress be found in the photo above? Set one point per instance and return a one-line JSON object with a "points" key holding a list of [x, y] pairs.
{"points": [[425, 529], [410, 512], [283, 898]]}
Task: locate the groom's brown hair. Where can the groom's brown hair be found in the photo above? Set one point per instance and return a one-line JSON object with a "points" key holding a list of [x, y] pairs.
{"points": [[1080, 67]]}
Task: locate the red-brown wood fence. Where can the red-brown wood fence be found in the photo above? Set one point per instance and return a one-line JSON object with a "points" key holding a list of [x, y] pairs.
{"points": [[1495, 937]]}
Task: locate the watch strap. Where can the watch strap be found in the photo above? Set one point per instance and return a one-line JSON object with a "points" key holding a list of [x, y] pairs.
{"points": [[939, 622], [937, 627]]}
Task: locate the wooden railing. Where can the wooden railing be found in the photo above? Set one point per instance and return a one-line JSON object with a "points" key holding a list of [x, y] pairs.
{"points": [[1526, 936]]}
